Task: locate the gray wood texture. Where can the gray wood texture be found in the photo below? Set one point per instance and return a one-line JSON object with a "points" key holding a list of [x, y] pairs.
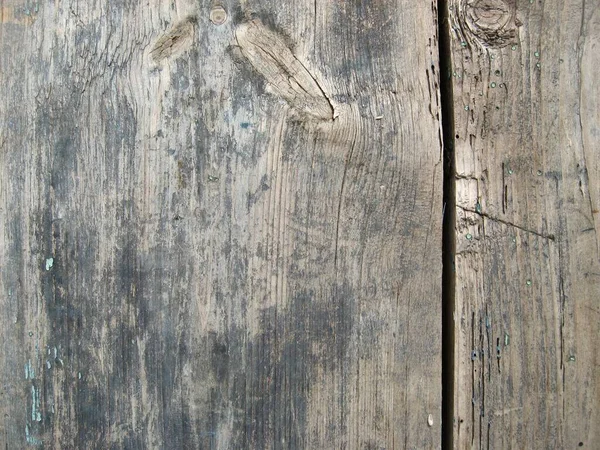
{"points": [[527, 249], [221, 225]]}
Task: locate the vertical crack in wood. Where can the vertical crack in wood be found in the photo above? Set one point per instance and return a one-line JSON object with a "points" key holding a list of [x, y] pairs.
{"points": [[341, 199], [448, 228]]}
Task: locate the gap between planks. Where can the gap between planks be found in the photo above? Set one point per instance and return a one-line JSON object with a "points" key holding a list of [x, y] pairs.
{"points": [[448, 227]]}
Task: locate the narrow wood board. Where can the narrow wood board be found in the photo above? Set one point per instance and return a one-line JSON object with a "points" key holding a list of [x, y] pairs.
{"points": [[527, 159], [194, 253]]}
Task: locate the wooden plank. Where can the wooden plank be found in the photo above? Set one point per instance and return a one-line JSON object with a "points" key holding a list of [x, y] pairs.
{"points": [[194, 253], [527, 159]]}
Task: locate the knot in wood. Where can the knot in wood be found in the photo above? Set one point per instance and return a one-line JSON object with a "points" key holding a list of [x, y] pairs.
{"points": [[492, 22], [174, 41], [218, 15], [286, 76]]}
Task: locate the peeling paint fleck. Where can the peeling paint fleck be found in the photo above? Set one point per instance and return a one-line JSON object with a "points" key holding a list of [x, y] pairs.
{"points": [[36, 414], [29, 371], [31, 439]]}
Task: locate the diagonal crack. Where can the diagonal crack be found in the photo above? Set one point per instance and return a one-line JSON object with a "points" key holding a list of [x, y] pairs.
{"points": [[549, 236]]}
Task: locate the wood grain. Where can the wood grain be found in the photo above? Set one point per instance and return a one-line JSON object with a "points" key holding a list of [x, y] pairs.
{"points": [[527, 247], [186, 261]]}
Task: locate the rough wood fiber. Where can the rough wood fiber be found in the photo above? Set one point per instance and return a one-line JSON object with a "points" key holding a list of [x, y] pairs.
{"points": [[527, 191], [193, 253]]}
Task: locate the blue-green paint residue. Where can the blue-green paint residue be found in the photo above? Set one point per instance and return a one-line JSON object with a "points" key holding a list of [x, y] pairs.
{"points": [[29, 371], [36, 414], [32, 440]]}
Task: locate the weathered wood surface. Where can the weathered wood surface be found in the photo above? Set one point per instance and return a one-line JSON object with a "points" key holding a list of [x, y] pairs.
{"points": [[193, 253], [528, 195]]}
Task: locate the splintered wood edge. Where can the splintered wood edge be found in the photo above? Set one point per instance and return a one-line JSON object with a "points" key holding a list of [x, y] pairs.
{"points": [[286, 75]]}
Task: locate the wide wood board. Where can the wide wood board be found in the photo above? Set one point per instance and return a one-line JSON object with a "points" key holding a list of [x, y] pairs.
{"points": [[221, 224]]}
